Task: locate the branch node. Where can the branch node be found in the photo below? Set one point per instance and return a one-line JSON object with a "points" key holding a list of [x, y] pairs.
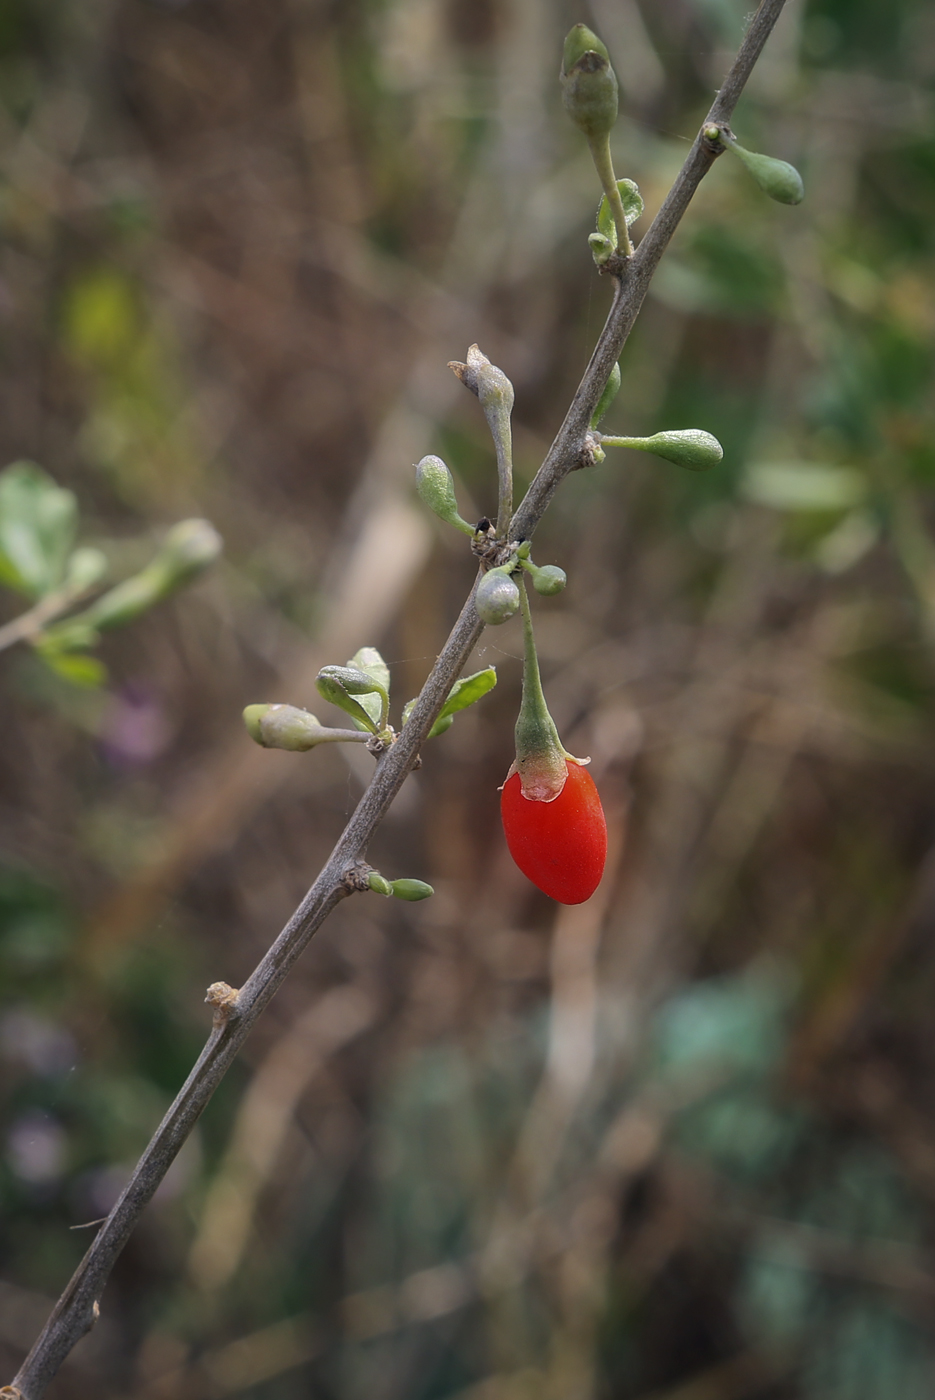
{"points": [[223, 997], [356, 878]]}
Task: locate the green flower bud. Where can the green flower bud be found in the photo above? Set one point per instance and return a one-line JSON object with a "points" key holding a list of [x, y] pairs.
{"points": [[436, 490], [777, 178], [497, 597], [589, 84], [611, 390], [411, 889], [549, 579], [686, 447], [285, 727], [379, 884]]}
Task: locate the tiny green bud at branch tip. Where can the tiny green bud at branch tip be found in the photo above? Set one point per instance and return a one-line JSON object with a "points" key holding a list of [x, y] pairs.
{"points": [[379, 884]]}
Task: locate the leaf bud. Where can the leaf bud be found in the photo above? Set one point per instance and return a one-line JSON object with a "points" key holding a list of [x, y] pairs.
{"points": [[436, 490], [379, 883], [589, 84], [411, 889], [611, 390], [497, 596], [188, 549], [777, 178]]}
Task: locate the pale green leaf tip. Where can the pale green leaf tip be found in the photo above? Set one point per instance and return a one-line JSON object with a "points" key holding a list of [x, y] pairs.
{"points": [[411, 890]]}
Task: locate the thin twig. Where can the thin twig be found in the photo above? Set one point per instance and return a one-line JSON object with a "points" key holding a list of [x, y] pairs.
{"points": [[76, 1310]]}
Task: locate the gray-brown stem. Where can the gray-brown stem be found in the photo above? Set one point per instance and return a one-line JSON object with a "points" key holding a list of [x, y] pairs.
{"points": [[76, 1309]]}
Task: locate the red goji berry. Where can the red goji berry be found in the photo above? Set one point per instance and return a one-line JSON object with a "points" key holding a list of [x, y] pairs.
{"points": [[560, 845]]}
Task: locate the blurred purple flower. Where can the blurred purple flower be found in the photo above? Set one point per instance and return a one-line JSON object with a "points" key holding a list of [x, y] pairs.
{"points": [[134, 728]]}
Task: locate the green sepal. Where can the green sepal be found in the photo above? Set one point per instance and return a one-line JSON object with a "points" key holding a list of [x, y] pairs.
{"points": [[411, 889], [777, 178], [340, 684], [436, 490], [589, 84], [464, 692], [692, 448], [379, 883], [541, 759], [38, 520], [611, 390], [632, 202]]}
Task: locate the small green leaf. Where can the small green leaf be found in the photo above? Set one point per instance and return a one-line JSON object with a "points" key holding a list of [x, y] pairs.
{"points": [[76, 667], [632, 202], [371, 663], [468, 691], [37, 527], [340, 684]]}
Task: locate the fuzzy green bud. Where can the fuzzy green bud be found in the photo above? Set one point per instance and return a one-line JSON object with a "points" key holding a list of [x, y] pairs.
{"points": [[497, 597], [686, 447], [611, 390], [436, 490], [411, 889], [589, 84], [379, 884], [602, 249], [777, 178]]}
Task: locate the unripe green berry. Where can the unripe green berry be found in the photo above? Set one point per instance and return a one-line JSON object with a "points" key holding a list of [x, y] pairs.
{"points": [[589, 84], [497, 597]]}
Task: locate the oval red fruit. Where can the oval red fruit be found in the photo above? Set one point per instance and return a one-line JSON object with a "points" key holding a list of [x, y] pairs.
{"points": [[560, 846]]}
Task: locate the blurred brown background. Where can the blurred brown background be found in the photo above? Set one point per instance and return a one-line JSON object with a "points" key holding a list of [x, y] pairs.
{"points": [[677, 1142]]}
